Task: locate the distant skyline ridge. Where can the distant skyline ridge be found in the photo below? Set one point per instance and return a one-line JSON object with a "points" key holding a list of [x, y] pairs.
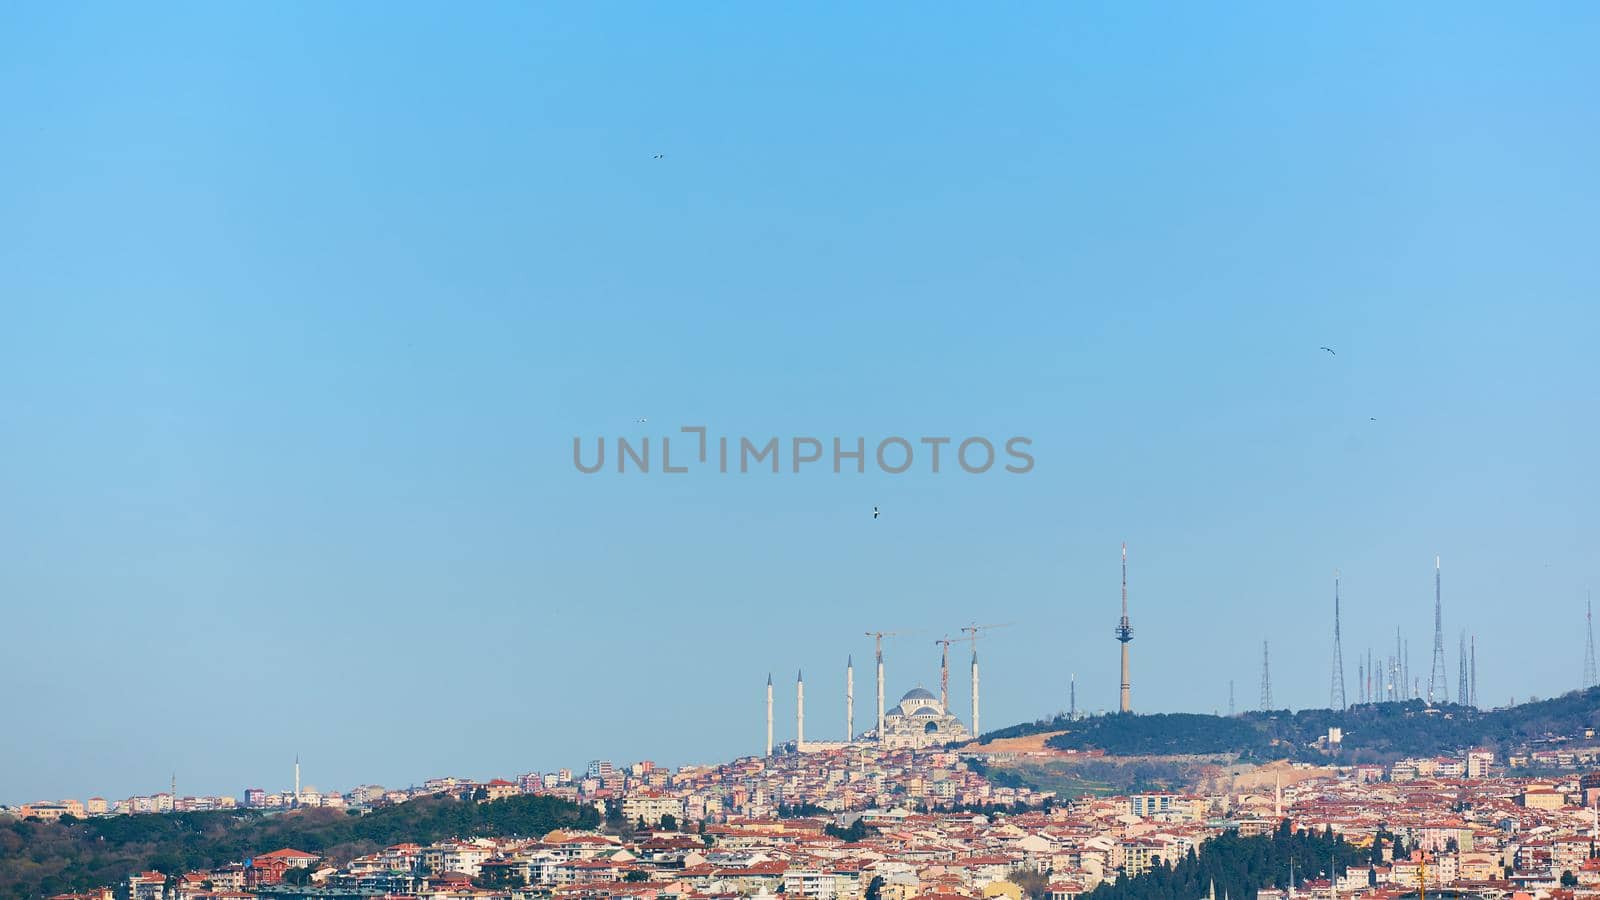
{"points": [[297, 334]]}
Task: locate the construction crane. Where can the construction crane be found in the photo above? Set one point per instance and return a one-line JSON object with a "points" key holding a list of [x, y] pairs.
{"points": [[878, 637], [972, 636]]}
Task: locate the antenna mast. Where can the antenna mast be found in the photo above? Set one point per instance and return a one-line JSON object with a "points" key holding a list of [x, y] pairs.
{"points": [[1266, 679], [1589, 677], [1438, 687], [1336, 693]]}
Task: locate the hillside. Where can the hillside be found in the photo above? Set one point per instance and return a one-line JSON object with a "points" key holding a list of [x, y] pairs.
{"points": [[1375, 732], [38, 859]]}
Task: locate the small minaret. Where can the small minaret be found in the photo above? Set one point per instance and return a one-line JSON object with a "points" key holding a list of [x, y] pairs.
{"points": [[975, 729], [799, 711], [850, 698], [297, 779], [769, 713]]}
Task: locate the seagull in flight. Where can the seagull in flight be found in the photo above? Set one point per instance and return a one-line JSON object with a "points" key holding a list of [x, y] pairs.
{"points": [[1329, 349], [659, 156], [642, 420], [874, 512]]}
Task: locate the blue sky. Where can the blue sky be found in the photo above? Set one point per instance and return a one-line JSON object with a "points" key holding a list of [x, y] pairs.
{"points": [[301, 306]]}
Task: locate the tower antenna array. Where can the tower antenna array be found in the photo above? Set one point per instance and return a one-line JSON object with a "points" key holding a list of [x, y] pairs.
{"points": [[1266, 679], [1438, 687], [1336, 692], [1589, 677]]}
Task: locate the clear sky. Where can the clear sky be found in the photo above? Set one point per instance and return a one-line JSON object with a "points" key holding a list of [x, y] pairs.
{"points": [[301, 306]]}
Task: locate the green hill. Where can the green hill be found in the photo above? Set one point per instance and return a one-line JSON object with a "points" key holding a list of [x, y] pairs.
{"points": [[1372, 732], [38, 859]]}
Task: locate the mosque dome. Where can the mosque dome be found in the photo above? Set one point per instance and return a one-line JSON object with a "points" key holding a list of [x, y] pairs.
{"points": [[918, 694]]}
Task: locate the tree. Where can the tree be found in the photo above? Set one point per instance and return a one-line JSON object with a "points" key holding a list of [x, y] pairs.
{"points": [[669, 822], [874, 888], [299, 875], [1569, 880], [636, 875], [1032, 882]]}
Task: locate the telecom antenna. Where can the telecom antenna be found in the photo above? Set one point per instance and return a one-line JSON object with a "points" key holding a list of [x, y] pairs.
{"points": [[1438, 687], [1589, 677], [1405, 667], [1230, 698], [1266, 679], [1072, 699], [1462, 691], [1474, 671], [1336, 693], [1124, 635]]}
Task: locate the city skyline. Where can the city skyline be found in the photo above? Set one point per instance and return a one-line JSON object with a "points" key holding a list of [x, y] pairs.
{"points": [[782, 740], [297, 333]]}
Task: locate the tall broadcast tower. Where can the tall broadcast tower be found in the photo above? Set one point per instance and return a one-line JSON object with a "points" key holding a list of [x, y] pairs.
{"points": [[1124, 635], [1472, 672], [1336, 692], [1589, 677], [1438, 687], [1266, 679]]}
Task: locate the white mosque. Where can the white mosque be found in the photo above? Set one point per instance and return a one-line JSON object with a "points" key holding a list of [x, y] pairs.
{"points": [[920, 720]]}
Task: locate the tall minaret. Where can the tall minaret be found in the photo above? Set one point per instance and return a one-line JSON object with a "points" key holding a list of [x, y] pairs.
{"points": [[1124, 635], [850, 699], [799, 711], [880, 690], [975, 730], [297, 779], [769, 713], [944, 674]]}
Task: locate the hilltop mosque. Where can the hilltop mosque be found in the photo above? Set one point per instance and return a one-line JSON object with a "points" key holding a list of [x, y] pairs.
{"points": [[919, 720]]}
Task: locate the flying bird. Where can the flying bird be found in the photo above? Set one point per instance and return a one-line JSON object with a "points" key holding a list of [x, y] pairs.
{"points": [[1329, 349], [642, 420], [659, 156], [874, 512]]}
